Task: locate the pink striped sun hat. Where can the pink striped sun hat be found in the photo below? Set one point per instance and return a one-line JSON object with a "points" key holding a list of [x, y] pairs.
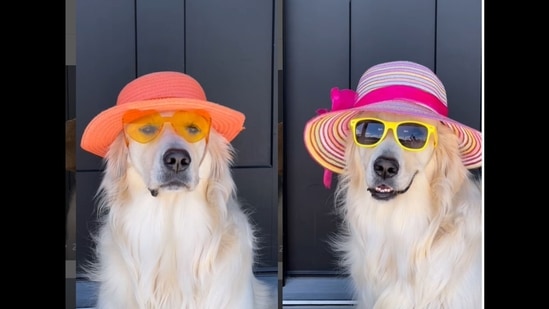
{"points": [[398, 87], [160, 91]]}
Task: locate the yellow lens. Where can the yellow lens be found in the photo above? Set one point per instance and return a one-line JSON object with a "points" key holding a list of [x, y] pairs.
{"points": [[191, 125], [143, 127], [410, 135]]}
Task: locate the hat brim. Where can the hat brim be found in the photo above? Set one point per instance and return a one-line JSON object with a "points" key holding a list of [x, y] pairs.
{"points": [[325, 135], [105, 127]]}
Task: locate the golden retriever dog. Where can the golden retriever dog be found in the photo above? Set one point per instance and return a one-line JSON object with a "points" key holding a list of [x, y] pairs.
{"points": [[173, 234], [413, 224], [411, 234]]}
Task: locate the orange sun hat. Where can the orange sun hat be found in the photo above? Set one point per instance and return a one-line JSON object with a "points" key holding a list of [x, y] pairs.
{"points": [[160, 91]]}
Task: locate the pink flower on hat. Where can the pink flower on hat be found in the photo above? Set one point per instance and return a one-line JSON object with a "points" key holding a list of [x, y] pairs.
{"points": [[341, 99]]}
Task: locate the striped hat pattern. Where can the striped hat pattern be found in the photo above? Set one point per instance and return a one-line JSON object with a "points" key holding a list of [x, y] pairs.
{"points": [[399, 87]]}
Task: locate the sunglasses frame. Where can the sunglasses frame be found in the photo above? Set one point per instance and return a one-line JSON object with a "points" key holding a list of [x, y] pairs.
{"points": [[131, 116], [393, 125]]}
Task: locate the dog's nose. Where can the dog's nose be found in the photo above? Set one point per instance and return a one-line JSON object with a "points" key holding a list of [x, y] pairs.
{"points": [[177, 159], [386, 167]]}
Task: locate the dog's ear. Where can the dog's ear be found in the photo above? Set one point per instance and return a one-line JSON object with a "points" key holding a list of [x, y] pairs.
{"points": [[116, 162], [355, 164], [220, 181], [353, 177], [450, 173], [117, 159]]}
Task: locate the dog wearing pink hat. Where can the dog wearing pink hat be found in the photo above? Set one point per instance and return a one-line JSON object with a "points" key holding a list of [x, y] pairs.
{"points": [[411, 234], [172, 232]]}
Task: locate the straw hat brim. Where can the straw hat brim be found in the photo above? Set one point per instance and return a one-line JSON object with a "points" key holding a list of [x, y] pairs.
{"points": [[325, 134], [105, 127]]}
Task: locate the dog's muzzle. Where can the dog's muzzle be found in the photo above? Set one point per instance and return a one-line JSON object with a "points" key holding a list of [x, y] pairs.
{"points": [[176, 162], [386, 169]]}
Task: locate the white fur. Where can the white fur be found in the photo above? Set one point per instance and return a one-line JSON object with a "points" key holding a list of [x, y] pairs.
{"points": [[190, 246], [422, 248]]}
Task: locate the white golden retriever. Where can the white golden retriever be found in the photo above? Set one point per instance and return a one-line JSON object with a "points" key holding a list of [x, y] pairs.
{"points": [[412, 225], [174, 239]]}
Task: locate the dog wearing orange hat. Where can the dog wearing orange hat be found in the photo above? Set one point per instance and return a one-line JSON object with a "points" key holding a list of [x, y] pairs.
{"points": [[172, 232], [412, 211]]}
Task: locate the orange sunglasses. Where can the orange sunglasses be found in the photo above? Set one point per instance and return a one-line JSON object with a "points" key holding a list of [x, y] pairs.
{"points": [[144, 126]]}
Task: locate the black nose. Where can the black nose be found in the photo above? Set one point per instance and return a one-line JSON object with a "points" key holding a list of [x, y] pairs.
{"points": [[386, 167], [177, 159]]}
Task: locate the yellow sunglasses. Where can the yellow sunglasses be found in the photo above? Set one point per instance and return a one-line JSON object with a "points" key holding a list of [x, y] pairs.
{"points": [[145, 125], [411, 135]]}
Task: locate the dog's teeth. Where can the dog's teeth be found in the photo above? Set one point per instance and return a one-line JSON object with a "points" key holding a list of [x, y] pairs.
{"points": [[384, 189]]}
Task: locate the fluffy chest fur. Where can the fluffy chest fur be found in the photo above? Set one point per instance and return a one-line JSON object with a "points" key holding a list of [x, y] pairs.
{"points": [[174, 250], [397, 255], [164, 247]]}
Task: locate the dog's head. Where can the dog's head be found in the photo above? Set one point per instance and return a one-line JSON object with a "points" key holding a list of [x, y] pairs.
{"points": [[171, 161], [388, 168]]}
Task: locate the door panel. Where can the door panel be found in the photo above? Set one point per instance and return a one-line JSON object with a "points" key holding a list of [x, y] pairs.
{"points": [[316, 58], [459, 58], [160, 43], [254, 187], [105, 62], [391, 30], [230, 51]]}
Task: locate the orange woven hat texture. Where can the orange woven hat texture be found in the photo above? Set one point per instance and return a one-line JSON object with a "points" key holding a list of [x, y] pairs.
{"points": [[160, 91]]}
